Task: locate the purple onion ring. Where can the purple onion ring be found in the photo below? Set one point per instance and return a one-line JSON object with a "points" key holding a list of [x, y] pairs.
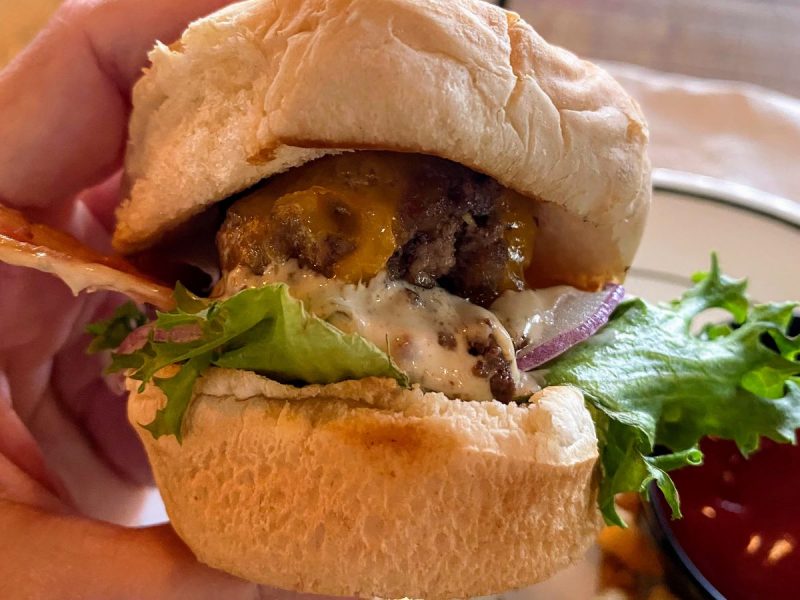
{"points": [[181, 334], [535, 355]]}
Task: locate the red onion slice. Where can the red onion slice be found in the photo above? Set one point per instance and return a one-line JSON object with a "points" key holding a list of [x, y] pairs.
{"points": [[138, 338], [575, 318], [180, 334]]}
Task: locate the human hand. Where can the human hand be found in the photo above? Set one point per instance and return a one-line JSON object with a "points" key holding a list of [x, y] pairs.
{"points": [[66, 451]]}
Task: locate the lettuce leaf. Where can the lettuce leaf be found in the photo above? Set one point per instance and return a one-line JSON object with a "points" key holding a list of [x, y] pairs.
{"points": [[654, 382], [260, 329], [651, 382]]}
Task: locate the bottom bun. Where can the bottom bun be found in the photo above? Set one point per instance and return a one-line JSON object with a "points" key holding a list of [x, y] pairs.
{"points": [[363, 488]]}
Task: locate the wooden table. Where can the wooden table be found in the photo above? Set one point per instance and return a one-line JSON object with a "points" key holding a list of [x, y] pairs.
{"points": [[749, 40]]}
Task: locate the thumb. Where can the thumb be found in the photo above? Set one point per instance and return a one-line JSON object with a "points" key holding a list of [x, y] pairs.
{"points": [[64, 102], [43, 552]]}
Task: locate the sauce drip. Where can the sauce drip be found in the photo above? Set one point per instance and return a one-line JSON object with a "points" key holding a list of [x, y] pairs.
{"points": [[741, 523]]}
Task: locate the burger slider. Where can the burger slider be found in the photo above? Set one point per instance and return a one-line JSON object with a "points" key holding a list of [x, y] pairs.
{"points": [[415, 374]]}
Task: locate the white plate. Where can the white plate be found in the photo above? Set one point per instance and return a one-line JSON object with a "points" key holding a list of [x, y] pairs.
{"points": [[756, 235]]}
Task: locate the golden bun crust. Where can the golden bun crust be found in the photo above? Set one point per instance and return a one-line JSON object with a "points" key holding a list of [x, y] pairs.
{"points": [[266, 85], [364, 488]]}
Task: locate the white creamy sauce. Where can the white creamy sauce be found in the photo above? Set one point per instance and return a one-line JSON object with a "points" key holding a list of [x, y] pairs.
{"points": [[531, 315], [427, 331]]}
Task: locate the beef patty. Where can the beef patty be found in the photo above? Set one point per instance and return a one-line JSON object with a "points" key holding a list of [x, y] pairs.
{"points": [[432, 222]]}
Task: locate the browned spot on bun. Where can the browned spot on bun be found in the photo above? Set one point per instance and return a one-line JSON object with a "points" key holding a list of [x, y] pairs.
{"points": [[409, 441]]}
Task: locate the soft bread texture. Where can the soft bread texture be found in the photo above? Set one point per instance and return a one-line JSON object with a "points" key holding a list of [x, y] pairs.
{"points": [[364, 488], [266, 85]]}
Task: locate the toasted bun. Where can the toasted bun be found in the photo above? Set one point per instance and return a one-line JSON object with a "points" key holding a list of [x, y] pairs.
{"points": [[266, 85], [364, 488]]}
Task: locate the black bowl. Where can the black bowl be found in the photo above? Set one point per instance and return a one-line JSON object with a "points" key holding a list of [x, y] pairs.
{"points": [[681, 575]]}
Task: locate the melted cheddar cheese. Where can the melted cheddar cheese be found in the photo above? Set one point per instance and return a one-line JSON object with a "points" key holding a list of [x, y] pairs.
{"points": [[348, 206]]}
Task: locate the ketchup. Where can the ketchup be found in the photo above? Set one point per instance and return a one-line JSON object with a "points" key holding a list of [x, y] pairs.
{"points": [[741, 519]]}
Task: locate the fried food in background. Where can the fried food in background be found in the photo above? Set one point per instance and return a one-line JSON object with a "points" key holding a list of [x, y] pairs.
{"points": [[630, 568]]}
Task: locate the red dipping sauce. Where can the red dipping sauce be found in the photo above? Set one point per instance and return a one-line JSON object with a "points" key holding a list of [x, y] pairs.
{"points": [[741, 519]]}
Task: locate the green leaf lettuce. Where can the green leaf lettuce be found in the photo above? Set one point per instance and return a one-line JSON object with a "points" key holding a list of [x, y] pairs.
{"points": [[654, 382], [650, 381], [259, 329]]}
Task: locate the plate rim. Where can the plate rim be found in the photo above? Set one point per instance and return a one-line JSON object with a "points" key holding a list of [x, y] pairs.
{"points": [[729, 193]]}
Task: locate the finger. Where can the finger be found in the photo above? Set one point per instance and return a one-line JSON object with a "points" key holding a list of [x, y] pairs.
{"points": [[62, 411], [102, 199], [43, 552], [121, 32], [23, 474], [97, 404], [64, 102]]}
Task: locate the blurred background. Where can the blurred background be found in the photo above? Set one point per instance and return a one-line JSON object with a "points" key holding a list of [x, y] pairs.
{"points": [[20, 20], [745, 40], [755, 41]]}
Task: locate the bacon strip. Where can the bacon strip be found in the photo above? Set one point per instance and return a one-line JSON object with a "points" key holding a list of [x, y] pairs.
{"points": [[40, 247]]}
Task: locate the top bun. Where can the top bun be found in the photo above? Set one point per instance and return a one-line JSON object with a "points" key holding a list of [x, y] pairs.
{"points": [[267, 85]]}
